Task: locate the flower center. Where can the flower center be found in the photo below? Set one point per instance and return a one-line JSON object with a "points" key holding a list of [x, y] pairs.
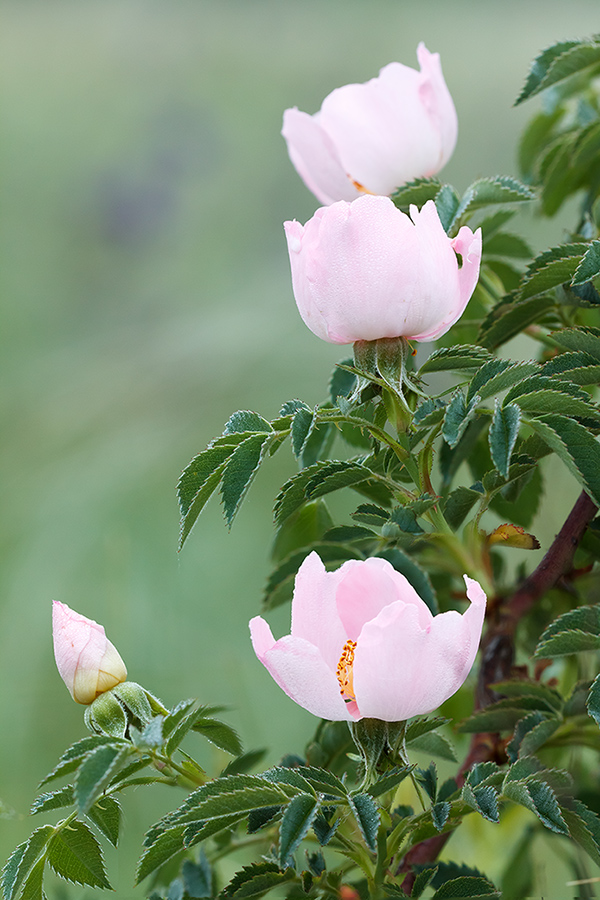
{"points": [[344, 671]]}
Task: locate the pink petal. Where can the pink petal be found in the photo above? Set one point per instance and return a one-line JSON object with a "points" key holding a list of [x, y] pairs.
{"points": [[315, 616], [402, 670], [436, 97], [87, 662], [315, 158], [299, 669], [367, 587]]}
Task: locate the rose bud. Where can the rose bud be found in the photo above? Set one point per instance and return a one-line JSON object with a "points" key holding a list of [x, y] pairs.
{"points": [[376, 136], [364, 644], [87, 662], [364, 270]]}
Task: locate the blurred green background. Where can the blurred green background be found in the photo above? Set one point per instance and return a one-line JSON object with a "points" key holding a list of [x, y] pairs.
{"points": [[146, 296]]}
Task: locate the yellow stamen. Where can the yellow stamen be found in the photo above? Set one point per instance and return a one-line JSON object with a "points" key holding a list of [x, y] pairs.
{"points": [[361, 188], [344, 671]]}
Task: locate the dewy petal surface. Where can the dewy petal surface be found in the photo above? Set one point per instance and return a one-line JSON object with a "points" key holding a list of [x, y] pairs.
{"points": [[299, 669]]}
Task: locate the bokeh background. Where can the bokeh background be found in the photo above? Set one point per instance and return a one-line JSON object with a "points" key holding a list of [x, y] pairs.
{"points": [[146, 296]]}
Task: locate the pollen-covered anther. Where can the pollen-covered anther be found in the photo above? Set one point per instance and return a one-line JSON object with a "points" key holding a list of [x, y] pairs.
{"points": [[344, 670]]}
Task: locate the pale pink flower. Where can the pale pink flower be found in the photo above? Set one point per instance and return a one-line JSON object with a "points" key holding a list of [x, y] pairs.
{"points": [[364, 644], [375, 136], [364, 270], [86, 660]]}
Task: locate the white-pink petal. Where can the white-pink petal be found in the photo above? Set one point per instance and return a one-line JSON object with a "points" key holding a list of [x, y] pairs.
{"points": [[299, 669]]}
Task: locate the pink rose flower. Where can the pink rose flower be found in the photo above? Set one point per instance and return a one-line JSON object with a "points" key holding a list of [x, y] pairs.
{"points": [[364, 270], [364, 644], [87, 662], [376, 136]]}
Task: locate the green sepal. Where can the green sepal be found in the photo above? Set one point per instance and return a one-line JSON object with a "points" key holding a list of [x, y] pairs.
{"points": [[105, 715], [135, 698]]}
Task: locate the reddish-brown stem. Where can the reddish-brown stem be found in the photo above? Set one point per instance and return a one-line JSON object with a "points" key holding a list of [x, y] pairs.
{"points": [[497, 655]]}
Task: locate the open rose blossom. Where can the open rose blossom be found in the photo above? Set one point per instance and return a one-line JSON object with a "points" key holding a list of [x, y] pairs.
{"points": [[376, 136], [364, 270], [364, 644], [87, 662]]}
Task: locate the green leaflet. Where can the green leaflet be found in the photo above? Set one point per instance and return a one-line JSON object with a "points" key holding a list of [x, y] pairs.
{"points": [[460, 356], [593, 700], [23, 860], [435, 744], [558, 62], [318, 480], [498, 375], [257, 879], [459, 413], [503, 434], [295, 824], [531, 733], [575, 445], [483, 799], [576, 630], [244, 420], [552, 268], [95, 773], [458, 505], [471, 886], [53, 800], [162, 849], [368, 817], [589, 266], [551, 699], [540, 799], [447, 203], [416, 192], [489, 192], [509, 317], [584, 827], [439, 814], [239, 472], [106, 815], [74, 854], [390, 780], [586, 340], [505, 243], [72, 758]]}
